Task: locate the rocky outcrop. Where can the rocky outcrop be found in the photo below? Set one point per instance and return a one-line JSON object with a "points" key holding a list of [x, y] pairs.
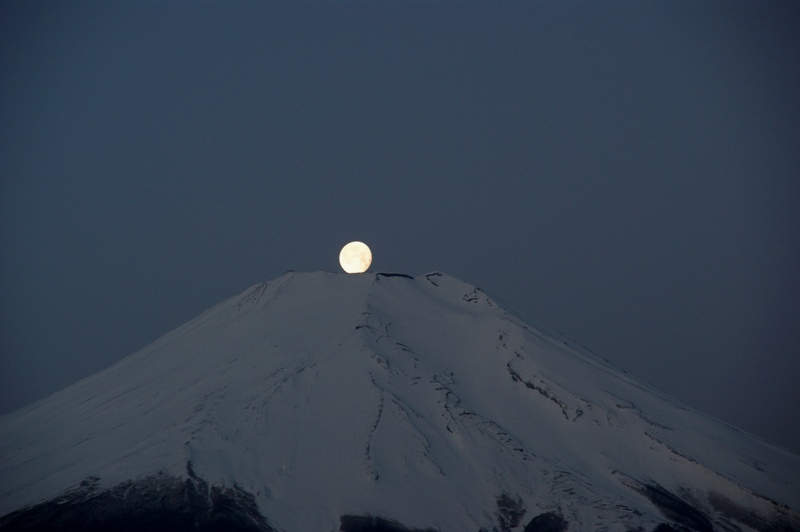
{"points": [[158, 503]]}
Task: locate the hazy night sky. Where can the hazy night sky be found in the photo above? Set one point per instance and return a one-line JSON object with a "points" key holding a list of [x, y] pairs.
{"points": [[627, 173]]}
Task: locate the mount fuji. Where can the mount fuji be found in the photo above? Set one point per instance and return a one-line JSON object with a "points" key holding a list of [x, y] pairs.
{"points": [[322, 402]]}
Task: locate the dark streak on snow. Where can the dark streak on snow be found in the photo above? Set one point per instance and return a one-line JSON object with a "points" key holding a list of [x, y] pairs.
{"points": [[368, 451], [541, 389]]}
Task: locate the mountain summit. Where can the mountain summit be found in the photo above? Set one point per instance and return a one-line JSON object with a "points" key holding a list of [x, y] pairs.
{"points": [[379, 402]]}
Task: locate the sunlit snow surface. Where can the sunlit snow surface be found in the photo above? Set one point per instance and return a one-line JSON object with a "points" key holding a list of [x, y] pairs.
{"points": [[420, 399]]}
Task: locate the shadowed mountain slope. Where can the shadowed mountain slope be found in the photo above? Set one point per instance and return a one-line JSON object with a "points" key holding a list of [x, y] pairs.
{"points": [[323, 402]]}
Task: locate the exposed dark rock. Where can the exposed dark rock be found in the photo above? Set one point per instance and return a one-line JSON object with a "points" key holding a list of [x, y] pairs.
{"points": [[781, 520], [676, 509], [371, 523], [384, 274], [509, 512], [547, 522], [158, 503], [541, 389]]}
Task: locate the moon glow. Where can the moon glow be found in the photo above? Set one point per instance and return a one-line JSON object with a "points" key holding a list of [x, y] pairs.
{"points": [[355, 257]]}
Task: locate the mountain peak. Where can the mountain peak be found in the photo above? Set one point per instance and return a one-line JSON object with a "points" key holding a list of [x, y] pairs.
{"points": [[320, 400]]}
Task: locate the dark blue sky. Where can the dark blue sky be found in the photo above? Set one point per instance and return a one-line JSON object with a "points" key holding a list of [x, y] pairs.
{"points": [[627, 173]]}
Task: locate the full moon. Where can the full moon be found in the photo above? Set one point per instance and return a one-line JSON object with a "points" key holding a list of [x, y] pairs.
{"points": [[355, 257]]}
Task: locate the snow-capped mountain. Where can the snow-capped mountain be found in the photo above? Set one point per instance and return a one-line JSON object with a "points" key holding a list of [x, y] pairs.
{"points": [[324, 402]]}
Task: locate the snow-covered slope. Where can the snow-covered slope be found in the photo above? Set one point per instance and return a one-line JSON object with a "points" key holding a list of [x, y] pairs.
{"points": [[420, 400]]}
